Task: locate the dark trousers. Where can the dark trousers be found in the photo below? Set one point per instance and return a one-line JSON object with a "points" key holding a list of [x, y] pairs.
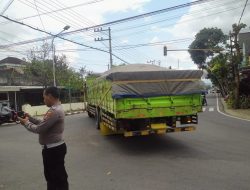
{"points": [[54, 170]]}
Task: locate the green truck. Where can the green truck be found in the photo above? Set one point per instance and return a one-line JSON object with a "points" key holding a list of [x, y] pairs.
{"points": [[142, 99]]}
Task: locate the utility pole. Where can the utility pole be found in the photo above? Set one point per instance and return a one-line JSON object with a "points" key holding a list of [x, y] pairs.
{"points": [[110, 49], [54, 51], [109, 39]]}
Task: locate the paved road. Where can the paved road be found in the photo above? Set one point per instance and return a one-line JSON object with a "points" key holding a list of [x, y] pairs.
{"points": [[214, 157]]}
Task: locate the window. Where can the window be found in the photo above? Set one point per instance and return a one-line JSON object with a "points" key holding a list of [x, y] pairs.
{"points": [[3, 96]]}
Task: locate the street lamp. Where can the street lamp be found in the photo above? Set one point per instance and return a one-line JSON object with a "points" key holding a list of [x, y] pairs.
{"points": [[53, 52]]}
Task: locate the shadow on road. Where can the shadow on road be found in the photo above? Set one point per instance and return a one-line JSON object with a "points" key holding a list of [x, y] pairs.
{"points": [[154, 144]]}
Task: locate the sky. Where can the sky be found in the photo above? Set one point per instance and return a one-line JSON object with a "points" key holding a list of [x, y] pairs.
{"points": [[137, 41]]}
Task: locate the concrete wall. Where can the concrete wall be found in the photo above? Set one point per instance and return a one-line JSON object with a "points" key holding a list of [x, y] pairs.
{"points": [[41, 110]]}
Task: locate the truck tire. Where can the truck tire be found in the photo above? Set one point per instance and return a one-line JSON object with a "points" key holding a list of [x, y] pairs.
{"points": [[97, 119]]}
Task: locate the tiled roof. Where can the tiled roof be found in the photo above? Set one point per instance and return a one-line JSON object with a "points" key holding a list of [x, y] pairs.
{"points": [[12, 60]]}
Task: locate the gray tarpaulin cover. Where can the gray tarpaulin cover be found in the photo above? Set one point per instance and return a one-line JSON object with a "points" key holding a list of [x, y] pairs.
{"points": [[143, 80]]}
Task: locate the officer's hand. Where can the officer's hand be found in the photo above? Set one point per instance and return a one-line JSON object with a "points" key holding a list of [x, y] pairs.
{"points": [[27, 114], [23, 121]]}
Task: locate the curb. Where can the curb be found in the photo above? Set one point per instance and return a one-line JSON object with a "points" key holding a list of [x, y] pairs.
{"points": [[73, 113], [223, 110]]}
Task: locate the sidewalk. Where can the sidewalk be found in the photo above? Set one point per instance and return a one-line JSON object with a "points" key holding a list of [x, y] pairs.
{"points": [[74, 112], [241, 113], [66, 113]]}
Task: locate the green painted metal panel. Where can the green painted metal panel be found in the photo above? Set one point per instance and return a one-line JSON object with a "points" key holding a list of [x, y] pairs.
{"points": [[99, 94], [158, 106]]}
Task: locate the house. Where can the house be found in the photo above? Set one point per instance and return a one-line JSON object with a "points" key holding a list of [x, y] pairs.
{"points": [[11, 72], [17, 89]]}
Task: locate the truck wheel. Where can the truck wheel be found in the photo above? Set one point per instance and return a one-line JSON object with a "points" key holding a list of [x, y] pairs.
{"points": [[97, 119]]}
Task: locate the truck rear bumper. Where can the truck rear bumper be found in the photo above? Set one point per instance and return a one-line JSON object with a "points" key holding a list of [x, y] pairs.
{"points": [[158, 131]]}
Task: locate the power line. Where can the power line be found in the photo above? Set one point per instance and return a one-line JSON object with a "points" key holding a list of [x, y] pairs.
{"points": [[218, 5], [216, 13], [89, 22], [30, 4], [62, 18], [243, 11], [37, 29], [50, 5], [117, 21], [44, 4], [39, 14], [139, 16], [144, 15], [7, 6], [58, 18], [57, 10], [190, 20], [73, 14], [131, 46]]}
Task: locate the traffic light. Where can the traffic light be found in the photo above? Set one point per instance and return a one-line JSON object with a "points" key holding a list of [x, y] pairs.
{"points": [[165, 51]]}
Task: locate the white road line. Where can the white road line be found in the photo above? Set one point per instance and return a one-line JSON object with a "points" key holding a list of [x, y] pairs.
{"points": [[211, 109], [203, 109], [218, 109]]}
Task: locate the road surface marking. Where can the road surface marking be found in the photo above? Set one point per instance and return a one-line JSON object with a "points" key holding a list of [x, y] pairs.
{"points": [[203, 109], [211, 109], [218, 109]]}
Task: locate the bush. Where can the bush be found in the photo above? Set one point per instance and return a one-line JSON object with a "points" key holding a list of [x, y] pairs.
{"points": [[245, 102], [230, 101]]}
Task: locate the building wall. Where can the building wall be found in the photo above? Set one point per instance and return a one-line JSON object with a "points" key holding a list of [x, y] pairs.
{"points": [[3, 80], [245, 38], [41, 110]]}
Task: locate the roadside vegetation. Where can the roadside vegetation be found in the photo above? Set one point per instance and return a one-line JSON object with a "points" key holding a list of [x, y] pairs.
{"points": [[220, 55]]}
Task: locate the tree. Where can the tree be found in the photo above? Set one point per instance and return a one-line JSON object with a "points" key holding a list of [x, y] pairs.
{"points": [[40, 72], [207, 38], [236, 59], [40, 66], [218, 69]]}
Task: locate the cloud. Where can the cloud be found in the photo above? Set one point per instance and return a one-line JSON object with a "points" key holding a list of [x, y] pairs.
{"points": [[221, 14], [80, 17], [154, 39], [125, 41], [72, 55], [181, 60]]}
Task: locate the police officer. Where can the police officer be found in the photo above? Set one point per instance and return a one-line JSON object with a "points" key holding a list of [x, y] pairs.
{"points": [[50, 130]]}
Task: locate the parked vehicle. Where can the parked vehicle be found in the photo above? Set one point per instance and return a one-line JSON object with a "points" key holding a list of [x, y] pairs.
{"points": [[143, 99], [8, 115]]}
